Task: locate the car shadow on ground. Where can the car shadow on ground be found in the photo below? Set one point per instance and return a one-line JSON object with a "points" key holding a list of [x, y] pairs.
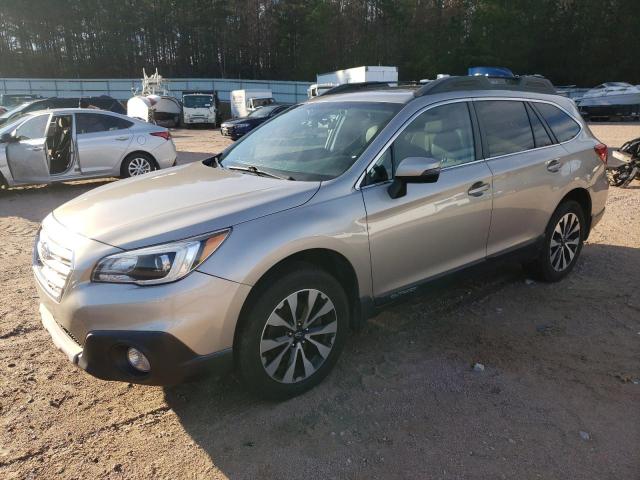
{"points": [[189, 157], [404, 400]]}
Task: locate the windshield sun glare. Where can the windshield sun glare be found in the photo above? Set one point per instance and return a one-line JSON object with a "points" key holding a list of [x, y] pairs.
{"points": [[315, 141]]}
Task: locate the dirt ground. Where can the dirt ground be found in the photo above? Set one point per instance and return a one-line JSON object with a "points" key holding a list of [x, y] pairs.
{"points": [[558, 398]]}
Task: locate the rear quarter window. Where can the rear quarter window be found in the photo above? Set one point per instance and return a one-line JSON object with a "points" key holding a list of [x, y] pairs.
{"points": [[562, 125], [96, 122]]}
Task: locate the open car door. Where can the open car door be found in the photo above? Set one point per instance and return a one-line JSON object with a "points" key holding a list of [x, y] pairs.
{"points": [[27, 156]]}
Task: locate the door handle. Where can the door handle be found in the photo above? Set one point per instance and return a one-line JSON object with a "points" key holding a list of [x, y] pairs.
{"points": [[554, 165], [122, 139], [478, 189], [36, 149]]}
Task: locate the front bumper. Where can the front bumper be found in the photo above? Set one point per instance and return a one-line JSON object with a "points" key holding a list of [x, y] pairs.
{"points": [[231, 132], [185, 328], [195, 317], [104, 355]]}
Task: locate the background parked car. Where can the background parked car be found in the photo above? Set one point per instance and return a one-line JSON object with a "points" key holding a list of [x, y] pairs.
{"points": [[103, 103], [9, 100], [65, 144], [237, 128]]}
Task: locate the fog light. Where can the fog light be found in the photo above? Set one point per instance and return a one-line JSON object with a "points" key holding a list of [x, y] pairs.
{"points": [[137, 360]]}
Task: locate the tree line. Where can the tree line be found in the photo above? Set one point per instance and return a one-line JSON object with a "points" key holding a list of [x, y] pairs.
{"points": [[581, 42]]}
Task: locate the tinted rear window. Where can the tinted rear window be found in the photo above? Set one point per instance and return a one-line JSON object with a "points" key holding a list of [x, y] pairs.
{"points": [[96, 122], [561, 124], [505, 126]]}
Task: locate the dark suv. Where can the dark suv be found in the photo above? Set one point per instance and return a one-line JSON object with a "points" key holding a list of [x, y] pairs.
{"points": [[241, 126], [102, 103]]}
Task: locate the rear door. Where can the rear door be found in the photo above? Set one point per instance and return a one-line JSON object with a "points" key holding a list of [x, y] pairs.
{"points": [[27, 158], [529, 172], [102, 141]]}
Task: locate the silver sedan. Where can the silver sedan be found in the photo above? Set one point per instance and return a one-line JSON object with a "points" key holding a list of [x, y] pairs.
{"points": [[68, 144]]}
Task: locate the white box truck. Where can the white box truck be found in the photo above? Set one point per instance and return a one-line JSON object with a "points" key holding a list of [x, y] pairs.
{"points": [[243, 102], [324, 81], [199, 107]]}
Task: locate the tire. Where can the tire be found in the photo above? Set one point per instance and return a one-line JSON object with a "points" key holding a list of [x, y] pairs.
{"points": [[630, 177], [139, 162], [278, 359], [560, 251], [617, 177]]}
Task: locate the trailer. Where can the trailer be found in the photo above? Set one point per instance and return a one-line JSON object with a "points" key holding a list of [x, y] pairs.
{"points": [[161, 110], [325, 81], [153, 103], [243, 102]]}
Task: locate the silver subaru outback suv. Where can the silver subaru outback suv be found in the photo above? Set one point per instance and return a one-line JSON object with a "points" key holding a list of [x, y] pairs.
{"points": [[264, 257]]}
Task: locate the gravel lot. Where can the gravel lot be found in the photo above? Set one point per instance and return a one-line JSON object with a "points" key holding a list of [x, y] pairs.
{"points": [[558, 397]]}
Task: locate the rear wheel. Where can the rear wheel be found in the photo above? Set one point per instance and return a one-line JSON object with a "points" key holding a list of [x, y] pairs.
{"points": [[137, 163], [563, 242], [293, 334]]}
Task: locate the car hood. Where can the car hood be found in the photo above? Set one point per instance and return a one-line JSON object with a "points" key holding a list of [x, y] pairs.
{"points": [[178, 203]]}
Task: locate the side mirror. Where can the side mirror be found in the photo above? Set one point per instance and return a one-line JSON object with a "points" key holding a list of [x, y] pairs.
{"points": [[414, 170], [8, 138]]}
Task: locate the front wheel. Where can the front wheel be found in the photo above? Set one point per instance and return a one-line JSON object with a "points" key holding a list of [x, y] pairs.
{"points": [[562, 244], [293, 333]]}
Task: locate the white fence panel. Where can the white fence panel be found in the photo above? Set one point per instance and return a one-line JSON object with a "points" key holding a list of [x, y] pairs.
{"points": [[122, 88]]}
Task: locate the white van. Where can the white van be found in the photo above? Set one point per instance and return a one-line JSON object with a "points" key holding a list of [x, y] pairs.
{"points": [[243, 102]]}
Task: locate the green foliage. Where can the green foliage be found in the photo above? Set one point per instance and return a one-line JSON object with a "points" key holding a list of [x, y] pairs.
{"points": [[569, 41]]}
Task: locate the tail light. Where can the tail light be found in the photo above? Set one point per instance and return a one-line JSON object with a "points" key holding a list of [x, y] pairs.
{"points": [[167, 135], [602, 151]]}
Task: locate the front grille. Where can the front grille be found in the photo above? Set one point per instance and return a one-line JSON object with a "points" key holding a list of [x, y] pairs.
{"points": [[71, 336], [53, 264]]}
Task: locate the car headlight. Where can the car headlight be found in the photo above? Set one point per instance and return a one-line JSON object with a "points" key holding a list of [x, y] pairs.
{"points": [[158, 264]]}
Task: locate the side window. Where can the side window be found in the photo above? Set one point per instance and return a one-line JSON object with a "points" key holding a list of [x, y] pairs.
{"points": [[382, 170], [97, 122], [562, 125], [33, 128], [505, 126], [540, 135], [443, 133]]}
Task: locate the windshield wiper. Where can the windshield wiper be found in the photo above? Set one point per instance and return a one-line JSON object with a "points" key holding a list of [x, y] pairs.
{"points": [[256, 171]]}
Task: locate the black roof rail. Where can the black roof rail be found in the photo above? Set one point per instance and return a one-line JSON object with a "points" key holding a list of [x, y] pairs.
{"points": [[456, 84], [356, 87]]}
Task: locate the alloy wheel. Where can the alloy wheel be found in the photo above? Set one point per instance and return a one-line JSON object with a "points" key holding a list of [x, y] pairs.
{"points": [[565, 241], [298, 336], [139, 166]]}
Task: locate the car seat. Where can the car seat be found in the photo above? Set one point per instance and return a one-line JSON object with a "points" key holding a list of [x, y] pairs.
{"points": [[61, 149]]}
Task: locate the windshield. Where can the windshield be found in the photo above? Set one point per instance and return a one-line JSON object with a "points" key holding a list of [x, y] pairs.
{"points": [[14, 110], [13, 124], [197, 101], [262, 112], [315, 141]]}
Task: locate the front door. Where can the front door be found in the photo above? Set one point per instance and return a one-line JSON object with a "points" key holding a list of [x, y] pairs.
{"points": [[436, 227], [27, 157]]}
